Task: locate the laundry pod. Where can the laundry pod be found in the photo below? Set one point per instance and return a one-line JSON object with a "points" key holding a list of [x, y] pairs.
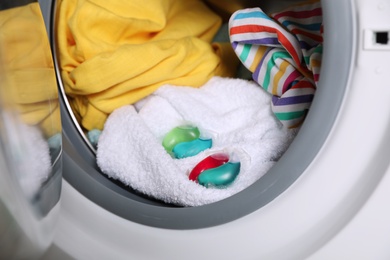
{"points": [[221, 176], [93, 136], [192, 148], [178, 135], [209, 162]]}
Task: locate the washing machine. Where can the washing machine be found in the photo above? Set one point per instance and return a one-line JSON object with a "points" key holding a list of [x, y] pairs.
{"points": [[326, 197]]}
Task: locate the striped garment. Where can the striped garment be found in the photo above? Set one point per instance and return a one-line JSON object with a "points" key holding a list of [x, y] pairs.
{"points": [[283, 51]]}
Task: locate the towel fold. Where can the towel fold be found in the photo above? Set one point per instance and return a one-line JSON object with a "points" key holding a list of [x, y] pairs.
{"points": [[235, 113]]}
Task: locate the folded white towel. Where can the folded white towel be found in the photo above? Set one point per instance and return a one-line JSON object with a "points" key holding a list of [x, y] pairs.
{"points": [[235, 113]]}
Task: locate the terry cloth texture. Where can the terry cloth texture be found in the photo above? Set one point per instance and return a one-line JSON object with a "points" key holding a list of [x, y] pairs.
{"points": [[28, 81], [114, 53], [284, 52], [235, 113]]}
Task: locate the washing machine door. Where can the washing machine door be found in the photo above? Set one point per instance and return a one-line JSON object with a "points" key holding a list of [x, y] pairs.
{"points": [[30, 133]]}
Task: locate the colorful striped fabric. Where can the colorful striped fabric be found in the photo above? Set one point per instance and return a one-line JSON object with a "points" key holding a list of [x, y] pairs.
{"points": [[283, 51]]}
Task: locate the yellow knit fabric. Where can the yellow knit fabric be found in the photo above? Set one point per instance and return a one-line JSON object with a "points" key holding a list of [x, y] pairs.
{"points": [[27, 78], [114, 53]]}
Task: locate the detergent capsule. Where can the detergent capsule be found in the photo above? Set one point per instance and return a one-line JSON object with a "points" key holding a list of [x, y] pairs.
{"points": [[209, 162], [192, 148], [93, 136], [178, 135], [221, 176]]}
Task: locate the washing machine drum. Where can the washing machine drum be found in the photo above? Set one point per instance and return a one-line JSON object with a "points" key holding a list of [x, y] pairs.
{"points": [[79, 158]]}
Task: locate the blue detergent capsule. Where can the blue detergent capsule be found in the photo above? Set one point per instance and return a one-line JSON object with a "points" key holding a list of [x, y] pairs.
{"points": [[221, 176], [192, 148], [93, 136], [185, 133]]}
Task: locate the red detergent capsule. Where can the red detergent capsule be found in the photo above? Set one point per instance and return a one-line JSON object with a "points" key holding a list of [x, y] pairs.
{"points": [[209, 162]]}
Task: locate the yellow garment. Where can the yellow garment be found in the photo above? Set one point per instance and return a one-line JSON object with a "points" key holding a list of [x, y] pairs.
{"points": [[27, 78], [114, 53]]}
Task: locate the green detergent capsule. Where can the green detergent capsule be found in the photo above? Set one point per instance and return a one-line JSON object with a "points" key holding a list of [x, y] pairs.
{"points": [[192, 148], [178, 135], [221, 176]]}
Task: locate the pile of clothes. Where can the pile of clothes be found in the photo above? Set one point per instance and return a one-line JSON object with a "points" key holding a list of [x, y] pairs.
{"points": [[134, 70], [114, 54]]}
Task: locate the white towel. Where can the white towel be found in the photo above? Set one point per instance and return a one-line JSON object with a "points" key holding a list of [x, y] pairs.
{"points": [[235, 113]]}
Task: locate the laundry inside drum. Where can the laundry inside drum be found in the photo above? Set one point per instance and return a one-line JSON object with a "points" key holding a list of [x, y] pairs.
{"points": [[188, 102]]}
